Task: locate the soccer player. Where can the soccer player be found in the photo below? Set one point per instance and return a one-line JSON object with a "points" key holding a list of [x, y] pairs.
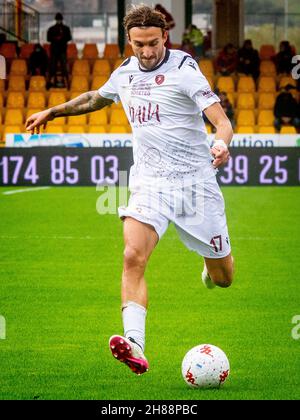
{"points": [[173, 178]]}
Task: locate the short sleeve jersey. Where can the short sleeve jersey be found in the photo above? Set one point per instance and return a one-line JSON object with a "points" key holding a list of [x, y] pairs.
{"points": [[164, 107]]}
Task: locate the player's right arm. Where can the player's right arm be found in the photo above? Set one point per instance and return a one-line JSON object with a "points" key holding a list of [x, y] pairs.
{"points": [[83, 104]]}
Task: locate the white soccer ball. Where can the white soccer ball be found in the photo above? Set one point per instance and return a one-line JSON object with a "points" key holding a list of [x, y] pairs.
{"points": [[205, 366]]}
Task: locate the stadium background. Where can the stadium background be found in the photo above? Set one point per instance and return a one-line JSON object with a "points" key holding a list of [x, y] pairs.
{"points": [[61, 261]]}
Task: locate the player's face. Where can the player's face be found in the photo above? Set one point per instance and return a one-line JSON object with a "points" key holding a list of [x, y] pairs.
{"points": [[148, 45]]}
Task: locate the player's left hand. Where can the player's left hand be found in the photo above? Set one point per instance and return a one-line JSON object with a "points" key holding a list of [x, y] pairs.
{"points": [[220, 153]]}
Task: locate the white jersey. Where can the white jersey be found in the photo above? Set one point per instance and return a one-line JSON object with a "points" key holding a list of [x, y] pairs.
{"points": [[164, 107]]}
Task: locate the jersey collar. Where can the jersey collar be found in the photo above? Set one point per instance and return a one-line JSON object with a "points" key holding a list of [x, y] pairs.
{"points": [[165, 60]]}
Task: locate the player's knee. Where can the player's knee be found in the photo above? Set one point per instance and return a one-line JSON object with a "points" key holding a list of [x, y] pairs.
{"points": [[223, 279], [134, 259]]}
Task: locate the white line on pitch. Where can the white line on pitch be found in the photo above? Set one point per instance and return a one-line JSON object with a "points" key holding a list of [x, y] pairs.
{"points": [[25, 190]]}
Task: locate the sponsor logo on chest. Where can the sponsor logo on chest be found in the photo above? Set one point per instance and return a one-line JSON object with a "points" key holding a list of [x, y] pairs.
{"points": [[144, 87]]}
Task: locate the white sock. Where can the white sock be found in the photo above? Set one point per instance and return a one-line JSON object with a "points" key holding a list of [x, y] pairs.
{"points": [[134, 321]]}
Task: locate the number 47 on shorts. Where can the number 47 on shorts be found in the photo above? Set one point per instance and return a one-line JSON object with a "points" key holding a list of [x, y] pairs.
{"points": [[217, 243]]}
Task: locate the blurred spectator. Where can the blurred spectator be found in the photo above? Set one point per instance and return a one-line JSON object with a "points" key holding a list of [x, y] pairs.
{"points": [[248, 60], [207, 44], [169, 19], [227, 108], [188, 47], [194, 37], [283, 59], [58, 35], [38, 61], [286, 109], [226, 61]]}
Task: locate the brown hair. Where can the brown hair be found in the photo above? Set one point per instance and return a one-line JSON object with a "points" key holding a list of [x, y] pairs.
{"points": [[144, 16]]}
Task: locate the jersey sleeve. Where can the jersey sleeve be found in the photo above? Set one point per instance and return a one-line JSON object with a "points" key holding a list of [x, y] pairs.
{"points": [[196, 86], [109, 90]]}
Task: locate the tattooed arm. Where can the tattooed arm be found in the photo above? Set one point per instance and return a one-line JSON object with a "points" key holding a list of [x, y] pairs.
{"points": [[87, 102]]}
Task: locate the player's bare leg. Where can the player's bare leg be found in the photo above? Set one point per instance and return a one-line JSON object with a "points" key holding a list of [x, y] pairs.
{"points": [[140, 240], [218, 272]]}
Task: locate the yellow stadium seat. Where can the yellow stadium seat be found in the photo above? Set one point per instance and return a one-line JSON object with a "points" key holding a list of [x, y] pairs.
{"points": [[57, 121], [36, 100], [287, 80], [118, 117], [288, 129], [246, 118], [267, 68], [117, 63], [118, 129], [246, 101], [225, 84], [206, 67], [101, 68], [246, 85], [72, 52], [18, 68], [77, 120], [230, 97], [267, 51], [245, 129], [1, 101], [75, 95], [116, 106], [98, 81], [11, 129], [56, 98], [208, 128], [111, 51], [211, 82], [79, 84], [266, 130], [2, 85], [76, 129], [97, 129], [98, 117], [55, 129], [267, 84], [90, 51], [15, 100], [81, 68], [16, 83], [37, 84], [128, 51], [31, 111], [265, 118], [13, 117], [266, 101]]}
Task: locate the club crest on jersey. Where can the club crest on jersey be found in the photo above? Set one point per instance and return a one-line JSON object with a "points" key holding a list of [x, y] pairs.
{"points": [[159, 80]]}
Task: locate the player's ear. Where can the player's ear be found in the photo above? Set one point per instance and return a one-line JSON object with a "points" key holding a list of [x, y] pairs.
{"points": [[165, 35]]}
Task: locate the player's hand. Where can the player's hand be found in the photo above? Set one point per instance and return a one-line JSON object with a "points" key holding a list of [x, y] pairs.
{"points": [[220, 153], [35, 121]]}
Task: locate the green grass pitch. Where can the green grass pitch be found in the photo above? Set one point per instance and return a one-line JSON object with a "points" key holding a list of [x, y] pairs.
{"points": [[60, 273]]}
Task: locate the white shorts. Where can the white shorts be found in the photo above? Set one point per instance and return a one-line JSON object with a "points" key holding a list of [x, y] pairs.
{"points": [[198, 213]]}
